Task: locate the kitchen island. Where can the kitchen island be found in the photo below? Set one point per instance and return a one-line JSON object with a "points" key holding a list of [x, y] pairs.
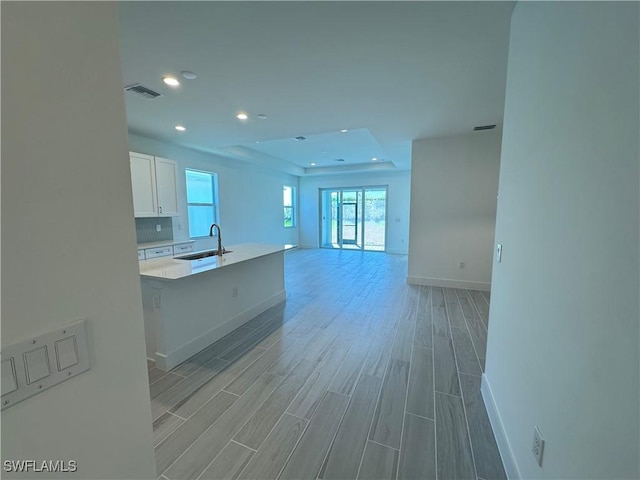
{"points": [[190, 304]]}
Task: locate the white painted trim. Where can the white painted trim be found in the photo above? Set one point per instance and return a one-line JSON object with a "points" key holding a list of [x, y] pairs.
{"points": [[504, 447], [449, 283], [176, 357]]}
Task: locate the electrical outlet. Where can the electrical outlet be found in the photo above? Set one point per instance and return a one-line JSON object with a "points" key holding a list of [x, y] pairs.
{"points": [[538, 445], [235, 292], [462, 264], [158, 228], [156, 301]]}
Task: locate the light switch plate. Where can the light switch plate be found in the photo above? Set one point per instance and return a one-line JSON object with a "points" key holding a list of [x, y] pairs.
{"points": [[499, 253], [41, 362]]}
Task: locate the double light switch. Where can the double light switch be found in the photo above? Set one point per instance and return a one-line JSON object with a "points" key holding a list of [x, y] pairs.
{"points": [[32, 366]]}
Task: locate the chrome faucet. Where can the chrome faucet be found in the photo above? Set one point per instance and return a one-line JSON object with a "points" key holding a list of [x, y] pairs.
{"points": [[220, 249]]}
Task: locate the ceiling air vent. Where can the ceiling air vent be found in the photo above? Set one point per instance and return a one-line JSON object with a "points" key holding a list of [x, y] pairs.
{"points": [[142, 90], [484, 127], [300, 138], [339, 160]]}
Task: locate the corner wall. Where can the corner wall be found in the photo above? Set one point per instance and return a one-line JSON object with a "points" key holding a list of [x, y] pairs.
{"points": [[454, 183], [250, 196], [564, 322], [68, 238]]}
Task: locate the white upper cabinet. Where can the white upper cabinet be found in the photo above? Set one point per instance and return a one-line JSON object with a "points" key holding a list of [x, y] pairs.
{"points": [[143, 185], [154, 185], [166, 181]]}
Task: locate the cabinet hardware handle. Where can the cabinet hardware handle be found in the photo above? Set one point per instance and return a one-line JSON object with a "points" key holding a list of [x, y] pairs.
{"points": [[160, 209]]}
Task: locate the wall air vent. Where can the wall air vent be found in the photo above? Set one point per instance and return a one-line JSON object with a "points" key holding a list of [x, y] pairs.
{"points": [[300, 138], [142, 90], [484, 127], [339, 160]]}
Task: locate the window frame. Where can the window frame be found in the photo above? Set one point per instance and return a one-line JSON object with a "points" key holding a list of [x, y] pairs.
{"points": [[214, 206], [292, 207]]}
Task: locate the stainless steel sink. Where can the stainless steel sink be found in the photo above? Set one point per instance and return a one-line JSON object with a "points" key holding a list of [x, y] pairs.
{"points": [[198, 256]]}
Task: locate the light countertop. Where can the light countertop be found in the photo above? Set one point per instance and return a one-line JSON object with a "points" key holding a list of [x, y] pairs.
{"points": [[167, 268], [162, 243]]}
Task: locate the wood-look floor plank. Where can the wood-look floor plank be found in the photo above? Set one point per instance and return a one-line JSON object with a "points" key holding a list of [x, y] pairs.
{"points": [[165, 383], [454, 458], [346, 451], [406, 325], [485, 450], [477, 329], [192, 364], [256, 429], [450, 295], [456, 318], [387, 421], [465, 353], [378, 357], [243, 381], [446, 373], [251, 340], [183, 389], [420, 391], [191, 403], [348, 373], [164, 425], [418, 452], [268, 461], [440, 323], [310, 395], [200, 454], [307, 457], [177, 442], [155, 374], [481, 305], [424, 320], [228, 465], [379, 462]]}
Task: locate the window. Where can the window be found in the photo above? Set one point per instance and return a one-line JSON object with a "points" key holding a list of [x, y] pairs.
{"points": [[202, 193], [288, 201]]}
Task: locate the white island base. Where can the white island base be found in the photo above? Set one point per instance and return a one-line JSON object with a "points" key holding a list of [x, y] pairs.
{"points": [[188, 305]]}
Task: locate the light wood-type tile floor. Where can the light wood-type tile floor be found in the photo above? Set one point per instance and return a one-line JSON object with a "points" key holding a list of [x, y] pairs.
{"points": [[357, 375]]}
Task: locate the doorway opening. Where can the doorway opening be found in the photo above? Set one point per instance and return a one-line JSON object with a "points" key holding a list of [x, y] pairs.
{"points": [[353, 218]]}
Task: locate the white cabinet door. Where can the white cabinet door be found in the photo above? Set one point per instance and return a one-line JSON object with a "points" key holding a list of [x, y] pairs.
{"points": [[143, 185], [167, 182]]}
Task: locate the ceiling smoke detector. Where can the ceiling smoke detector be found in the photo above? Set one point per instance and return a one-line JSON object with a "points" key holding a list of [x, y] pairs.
{"points": [[484, 127], [300, 138], [339, 160]]}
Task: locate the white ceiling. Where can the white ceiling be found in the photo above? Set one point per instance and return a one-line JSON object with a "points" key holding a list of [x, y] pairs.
{"points": [[389, 72]]}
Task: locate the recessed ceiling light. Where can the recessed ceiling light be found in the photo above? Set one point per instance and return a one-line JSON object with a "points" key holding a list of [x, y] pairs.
{"points": [[242, 116], [180, 128], [189, 75], [344, 130], [171, 81], [261, 116], [313, 164], [374, 159]]}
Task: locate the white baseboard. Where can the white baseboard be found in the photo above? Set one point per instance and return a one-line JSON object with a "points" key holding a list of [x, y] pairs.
{"points": [[449, 283], [508, 459], [396, 252], [176, 357]]}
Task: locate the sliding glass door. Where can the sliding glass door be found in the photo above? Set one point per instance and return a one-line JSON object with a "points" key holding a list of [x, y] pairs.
{"points": [[353, 218]]}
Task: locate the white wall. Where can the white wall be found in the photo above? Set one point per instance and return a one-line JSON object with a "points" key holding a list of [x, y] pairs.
{"points": [[454, 184], [68, 238], [563, 328], [397, 204], [250, 197]]}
